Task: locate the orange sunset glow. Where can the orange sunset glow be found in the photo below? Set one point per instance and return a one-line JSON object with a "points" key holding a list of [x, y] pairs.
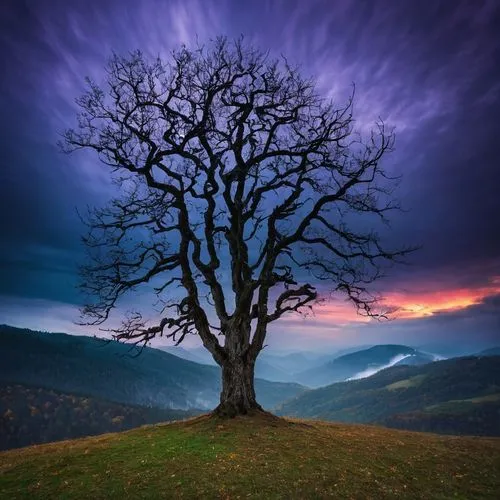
{"points": [[426, 304], [409, 304]]}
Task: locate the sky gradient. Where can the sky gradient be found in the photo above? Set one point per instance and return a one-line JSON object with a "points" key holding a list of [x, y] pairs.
{"points": [[431, 70]]}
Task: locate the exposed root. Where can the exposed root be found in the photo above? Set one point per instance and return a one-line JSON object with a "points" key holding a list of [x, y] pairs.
{"points": [[230, 409]]}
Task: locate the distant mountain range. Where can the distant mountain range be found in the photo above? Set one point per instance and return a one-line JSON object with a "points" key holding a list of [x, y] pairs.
{"points": [[293, 363], [273, 367], [361, 364], [455, 396], [493, 351], [112, 371], [316, 369]]}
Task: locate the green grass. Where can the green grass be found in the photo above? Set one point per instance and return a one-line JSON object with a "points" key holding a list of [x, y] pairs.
{"points": [[255, 457], [406, 383]]}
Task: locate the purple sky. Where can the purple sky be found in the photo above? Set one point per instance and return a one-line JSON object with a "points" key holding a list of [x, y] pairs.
{"points": [[431, 69]]}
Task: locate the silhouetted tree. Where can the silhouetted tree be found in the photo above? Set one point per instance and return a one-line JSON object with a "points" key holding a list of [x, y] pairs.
{"points": [[238, 183]]}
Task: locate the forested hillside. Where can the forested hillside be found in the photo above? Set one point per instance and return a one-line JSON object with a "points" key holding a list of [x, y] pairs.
{"points": [[112, 371], [456, 396], [34, 415]]}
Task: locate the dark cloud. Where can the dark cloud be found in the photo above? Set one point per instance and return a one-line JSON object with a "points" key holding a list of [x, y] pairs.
{"points": [[433, 73]]}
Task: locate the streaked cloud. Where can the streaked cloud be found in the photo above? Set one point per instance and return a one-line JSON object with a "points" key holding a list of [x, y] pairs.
{"points": [[432, 73]]}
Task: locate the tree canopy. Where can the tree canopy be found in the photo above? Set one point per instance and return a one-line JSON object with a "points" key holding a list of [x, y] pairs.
{"points": [[239, 190]]}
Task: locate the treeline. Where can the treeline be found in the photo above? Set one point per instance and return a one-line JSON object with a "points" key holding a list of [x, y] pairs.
{"points": [[34, 415]]}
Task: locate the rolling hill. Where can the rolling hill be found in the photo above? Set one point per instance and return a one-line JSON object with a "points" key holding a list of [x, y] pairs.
{"points": [[360, 364], [109, 370], [255, 457], [492, 351], [456, 396]]}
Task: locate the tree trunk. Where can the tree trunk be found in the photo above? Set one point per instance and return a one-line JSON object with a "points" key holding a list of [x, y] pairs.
{"points": [[238, 393]]}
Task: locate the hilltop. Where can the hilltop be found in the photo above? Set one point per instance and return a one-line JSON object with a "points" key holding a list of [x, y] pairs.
{"points": [[255, 457]]}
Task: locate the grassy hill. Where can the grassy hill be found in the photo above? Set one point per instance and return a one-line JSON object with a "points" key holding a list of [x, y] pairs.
{"points": [[255, 457], [456, 396], [91, 367]]}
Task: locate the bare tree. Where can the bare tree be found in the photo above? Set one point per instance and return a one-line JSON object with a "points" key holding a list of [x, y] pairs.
{"points": [[238, 187]]}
